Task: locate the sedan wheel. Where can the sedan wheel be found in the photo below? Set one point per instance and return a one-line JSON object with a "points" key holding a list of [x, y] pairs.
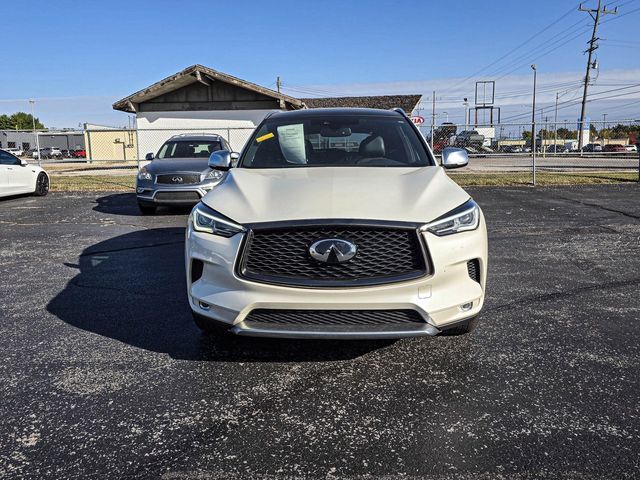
{"points": [[42, 185]]}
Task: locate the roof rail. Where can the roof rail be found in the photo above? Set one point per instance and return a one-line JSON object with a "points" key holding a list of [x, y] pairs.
{"points": [[400, 111], [196, 135]]}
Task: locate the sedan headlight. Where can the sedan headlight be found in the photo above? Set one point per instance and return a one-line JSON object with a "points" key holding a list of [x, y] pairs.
{"points": [[461, 219], [209, 221], [144, 174]]}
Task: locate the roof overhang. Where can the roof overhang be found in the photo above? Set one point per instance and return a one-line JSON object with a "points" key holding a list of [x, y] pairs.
{"points": [[204, 75]]}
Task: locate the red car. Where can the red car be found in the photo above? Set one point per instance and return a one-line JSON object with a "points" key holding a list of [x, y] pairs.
{"points": [[614, 148], [79, 154]]}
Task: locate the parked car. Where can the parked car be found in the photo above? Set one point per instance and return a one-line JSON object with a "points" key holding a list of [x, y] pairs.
{"points": [[82, 153], [18, 152], [631, 148], [307, 239], [556, 149], [18, 177], [614, 148], [179, 174], [512, 149], [592, 147]]}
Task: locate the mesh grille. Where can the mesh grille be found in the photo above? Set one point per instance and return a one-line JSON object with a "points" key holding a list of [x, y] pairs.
{"points": [[178, 179], [333, 317], [473, 267], [384, 255], [178, 196]]}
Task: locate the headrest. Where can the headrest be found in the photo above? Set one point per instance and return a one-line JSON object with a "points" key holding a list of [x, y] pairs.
{"points": [[372, 147]]}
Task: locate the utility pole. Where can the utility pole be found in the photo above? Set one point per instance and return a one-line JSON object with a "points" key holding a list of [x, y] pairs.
{"points": [[433, 118], [600, 11], [533, 125], [555, 123], [35, 133], [278, 84]]}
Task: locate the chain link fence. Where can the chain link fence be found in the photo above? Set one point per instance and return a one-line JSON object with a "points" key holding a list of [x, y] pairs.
{"points": [[500, 154], [505, 153]]}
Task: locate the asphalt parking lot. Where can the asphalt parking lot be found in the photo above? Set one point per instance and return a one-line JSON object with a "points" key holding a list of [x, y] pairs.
{"points": [[104, 375]]}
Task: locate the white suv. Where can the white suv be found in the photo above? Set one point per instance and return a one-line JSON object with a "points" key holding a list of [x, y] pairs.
{"points": [[337, 223]]}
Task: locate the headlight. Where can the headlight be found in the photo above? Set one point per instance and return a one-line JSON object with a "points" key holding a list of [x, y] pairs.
{"points": [[214, 175], [207, 220], [462, 219], [143, 174]]}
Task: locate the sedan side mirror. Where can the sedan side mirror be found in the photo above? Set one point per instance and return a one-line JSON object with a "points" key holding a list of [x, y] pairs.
{"points": [[221, 160], [148, 156], [23, 162], [454, 157]]}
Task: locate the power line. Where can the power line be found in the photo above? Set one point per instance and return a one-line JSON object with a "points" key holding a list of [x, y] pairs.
{"points": [[516, 48]]}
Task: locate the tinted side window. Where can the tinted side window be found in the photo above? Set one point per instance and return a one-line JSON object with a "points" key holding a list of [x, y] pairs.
{"points": [[8, 159]]}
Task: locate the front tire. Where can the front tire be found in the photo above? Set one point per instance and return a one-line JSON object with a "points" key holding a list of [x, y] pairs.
{"points": [[147, 209], [42, 185]]}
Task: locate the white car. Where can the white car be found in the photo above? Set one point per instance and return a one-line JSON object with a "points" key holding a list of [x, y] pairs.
{"points": [[336, 223], [631, 148], [18, 152], [18, 177]]}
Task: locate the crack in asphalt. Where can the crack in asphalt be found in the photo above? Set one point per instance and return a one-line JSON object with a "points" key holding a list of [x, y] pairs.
{"points": [[564, 293], [601, 207]]}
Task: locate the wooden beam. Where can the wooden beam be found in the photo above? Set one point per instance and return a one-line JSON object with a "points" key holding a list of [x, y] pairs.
{"points": [[201, 80]]}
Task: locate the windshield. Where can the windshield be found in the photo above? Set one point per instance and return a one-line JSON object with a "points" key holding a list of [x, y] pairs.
{"points": [[339, 140], [189, 149]]}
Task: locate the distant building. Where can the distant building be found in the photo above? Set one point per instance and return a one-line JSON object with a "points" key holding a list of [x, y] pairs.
{"points": [[26, 139], [110, 143]]}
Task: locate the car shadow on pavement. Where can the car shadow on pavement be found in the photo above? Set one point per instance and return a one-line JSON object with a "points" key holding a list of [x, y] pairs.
{"points": [[126, 204], [132, 288]]}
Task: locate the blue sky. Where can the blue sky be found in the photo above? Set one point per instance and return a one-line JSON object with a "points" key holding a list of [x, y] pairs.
{"points": [[77, 57]]}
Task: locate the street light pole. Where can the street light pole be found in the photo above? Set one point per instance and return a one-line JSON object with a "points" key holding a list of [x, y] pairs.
{"points": [[533, 124], [35, 134], [555, 124]]}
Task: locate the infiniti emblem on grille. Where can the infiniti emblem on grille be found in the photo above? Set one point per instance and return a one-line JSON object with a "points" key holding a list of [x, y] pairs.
{"points": [[333, 250], [176, 180]]}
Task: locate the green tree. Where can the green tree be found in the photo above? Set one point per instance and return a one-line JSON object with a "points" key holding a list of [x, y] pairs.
{"points": [[5, 122], [526, 134], [24, 121], [565, 133]]}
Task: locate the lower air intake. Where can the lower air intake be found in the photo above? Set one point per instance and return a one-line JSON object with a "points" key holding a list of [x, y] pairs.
{"points": [[302, 318]]}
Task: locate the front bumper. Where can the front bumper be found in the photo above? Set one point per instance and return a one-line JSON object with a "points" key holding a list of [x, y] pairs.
{"points": [[219, 295], [165, 194]]}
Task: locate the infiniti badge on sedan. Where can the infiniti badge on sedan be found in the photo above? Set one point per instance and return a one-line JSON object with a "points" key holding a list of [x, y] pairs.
{"points": [[333, 250]]}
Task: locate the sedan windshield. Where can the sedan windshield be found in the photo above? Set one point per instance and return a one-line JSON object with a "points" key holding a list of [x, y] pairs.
{"points": [[189, 149], [336, 140]]}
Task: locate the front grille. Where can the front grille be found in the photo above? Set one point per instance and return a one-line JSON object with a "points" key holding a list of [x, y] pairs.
{"points": [[282, 256], [473, 267], [178, 196], [178, 179], [327, 318]]}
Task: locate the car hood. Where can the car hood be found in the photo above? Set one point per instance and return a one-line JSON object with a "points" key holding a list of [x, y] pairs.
{"points": [[178, 165], [369, 193]]}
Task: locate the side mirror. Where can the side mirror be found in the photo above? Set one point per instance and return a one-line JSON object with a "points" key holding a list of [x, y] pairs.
{"points": [[234, 158], [148, 156], [23, 162], [220, 160], [454, 157]]}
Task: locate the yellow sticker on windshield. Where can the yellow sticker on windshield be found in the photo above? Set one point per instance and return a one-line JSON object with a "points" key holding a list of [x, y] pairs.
{"points": [[265, 137]]}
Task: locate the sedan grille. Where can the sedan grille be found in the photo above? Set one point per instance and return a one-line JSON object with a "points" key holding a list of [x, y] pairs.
{"points": [[268, 317], [178, 178], [177, 196], [384, 255]]}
